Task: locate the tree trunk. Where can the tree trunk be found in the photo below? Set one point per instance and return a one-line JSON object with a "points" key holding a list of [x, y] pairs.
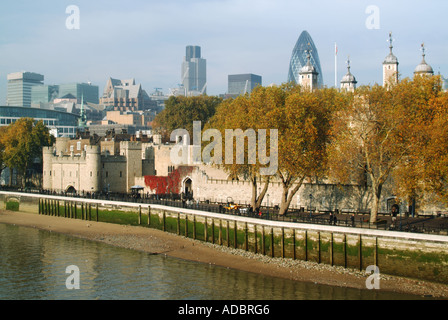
{"points": [[376, 188], [288, 194]]}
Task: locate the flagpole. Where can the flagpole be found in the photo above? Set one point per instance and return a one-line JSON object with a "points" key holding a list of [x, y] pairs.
{"points": [[335, 65]]}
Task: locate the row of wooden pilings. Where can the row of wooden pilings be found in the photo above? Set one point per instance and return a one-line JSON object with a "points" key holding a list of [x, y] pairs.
{"points": [[52, 207], [70, 210], [271, 237]]}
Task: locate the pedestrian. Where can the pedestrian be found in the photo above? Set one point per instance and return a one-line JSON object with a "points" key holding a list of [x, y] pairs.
{"points": [[394, 212], [331, 218], [335, 220], [352, 219]]}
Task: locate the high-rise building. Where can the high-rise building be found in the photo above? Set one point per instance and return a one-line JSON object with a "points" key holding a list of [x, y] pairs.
{"points": [[242, 83], [19, 88], [44, 94], [299, 59], [87, 90], [194, 72]]}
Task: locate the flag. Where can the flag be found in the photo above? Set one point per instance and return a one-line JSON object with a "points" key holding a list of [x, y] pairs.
{"points": [[335, 49]]}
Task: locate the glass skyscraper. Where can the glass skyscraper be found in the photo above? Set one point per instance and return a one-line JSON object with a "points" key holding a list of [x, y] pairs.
{"points": [[19, 88], [88, 91], [299, 59], [242, 83], [194, 68]]}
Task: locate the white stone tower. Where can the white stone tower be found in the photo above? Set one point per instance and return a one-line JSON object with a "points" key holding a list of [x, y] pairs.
{"points": [[390, 67], [308, 74], [348, 82]]}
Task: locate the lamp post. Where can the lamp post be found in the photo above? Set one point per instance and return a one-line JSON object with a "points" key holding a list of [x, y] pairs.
{"points": [[268, 203], [311, 198]]}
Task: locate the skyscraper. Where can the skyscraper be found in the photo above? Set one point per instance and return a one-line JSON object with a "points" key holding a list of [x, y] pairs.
{"points": [[19, 88], [299, 59], [194, 72], [242, 83]]}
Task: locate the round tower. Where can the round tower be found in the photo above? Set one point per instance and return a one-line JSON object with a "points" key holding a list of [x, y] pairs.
{"points": [[47, 166], [91, 177]]}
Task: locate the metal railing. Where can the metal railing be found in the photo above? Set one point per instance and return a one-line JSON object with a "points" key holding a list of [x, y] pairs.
{"points": [[350, 218]]}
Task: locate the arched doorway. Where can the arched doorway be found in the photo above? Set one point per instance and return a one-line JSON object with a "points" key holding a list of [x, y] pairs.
{"points": [[70, 190], [187, 188]]}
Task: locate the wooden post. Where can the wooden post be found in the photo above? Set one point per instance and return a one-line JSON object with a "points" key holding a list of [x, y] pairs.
{"points": [[227, 233], [246, 240], [360, 252], [294, 244], [178, 223], [82, 210], [213, 230], [75, 212], [306, 245], [345, 251], [149, 216], [255, 239], [205, 230], [272, 242], [235, 230], [38, 207], [90, 212], [318, 247], [65, 209], [139, 215], [97, 213], [220, 232], [194, 225], [163, 221], [283, 242], [375, 252], [331, 249], [263, 242]]}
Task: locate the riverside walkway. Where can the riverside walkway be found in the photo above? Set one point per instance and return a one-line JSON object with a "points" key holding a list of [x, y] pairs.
{"points": [[428, 224]]}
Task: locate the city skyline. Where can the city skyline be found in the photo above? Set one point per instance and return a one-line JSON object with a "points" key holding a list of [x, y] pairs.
{"points": [[146, 39]]}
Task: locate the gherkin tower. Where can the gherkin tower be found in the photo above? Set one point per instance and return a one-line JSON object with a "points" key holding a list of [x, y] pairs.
{"points": [[299, 58]]}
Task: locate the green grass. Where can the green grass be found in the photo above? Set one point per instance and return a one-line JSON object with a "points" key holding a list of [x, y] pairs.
{"points": [[12, 206]]}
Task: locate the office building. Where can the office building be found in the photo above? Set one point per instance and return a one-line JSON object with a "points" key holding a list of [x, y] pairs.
{"points": [[194, 72], [242, 83], [43, 94], [19, 88], [87, 91]]}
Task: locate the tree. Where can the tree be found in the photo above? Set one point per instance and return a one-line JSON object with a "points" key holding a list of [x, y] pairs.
{"points": [[180, 112], [381, 134], [303, 122], [243, 117], [23, 142]]}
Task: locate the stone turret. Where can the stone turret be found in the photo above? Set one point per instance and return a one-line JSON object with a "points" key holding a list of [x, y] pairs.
{"points": [[47, 159], [93, 169]]}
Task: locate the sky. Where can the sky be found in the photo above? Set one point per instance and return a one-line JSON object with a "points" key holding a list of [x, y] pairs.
{"points": [[146, 40]]}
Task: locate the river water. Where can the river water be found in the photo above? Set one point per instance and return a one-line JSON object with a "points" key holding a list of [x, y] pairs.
{"points": [[33, 266]]}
